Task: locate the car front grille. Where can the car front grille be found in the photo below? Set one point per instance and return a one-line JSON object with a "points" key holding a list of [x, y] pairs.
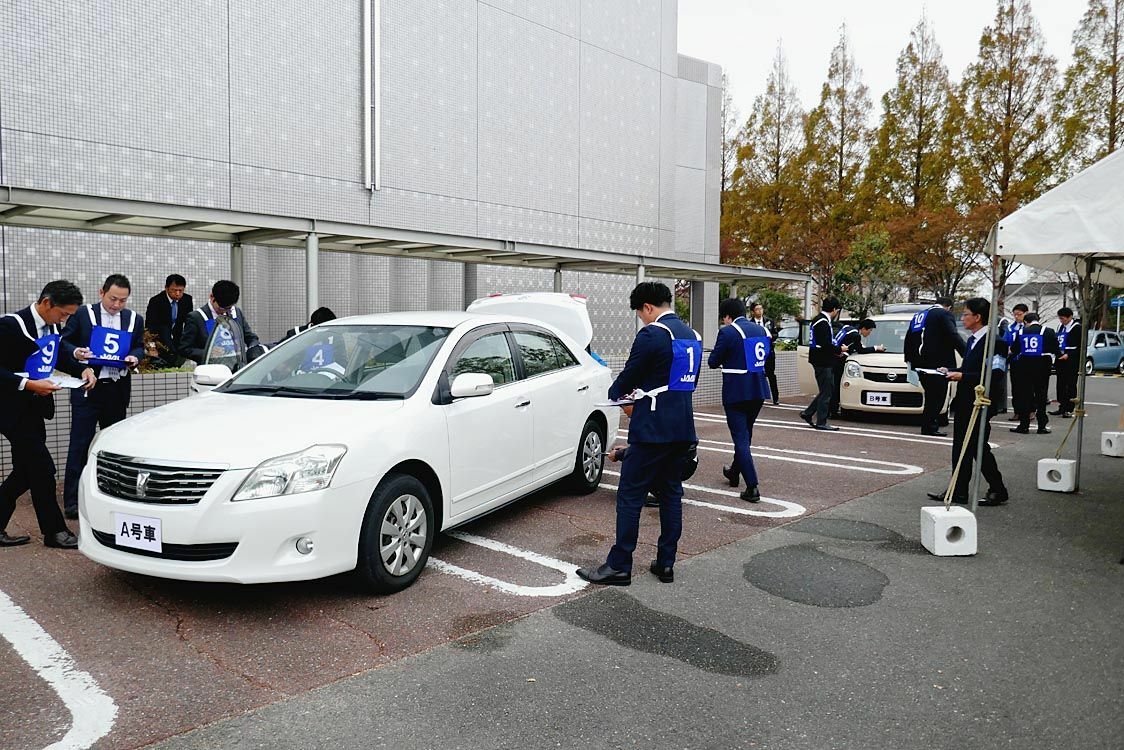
{"points": [[184, 552], [142, 482], [884, 377]]}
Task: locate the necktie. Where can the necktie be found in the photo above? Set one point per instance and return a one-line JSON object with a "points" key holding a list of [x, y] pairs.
{"points": [[175, 311]]}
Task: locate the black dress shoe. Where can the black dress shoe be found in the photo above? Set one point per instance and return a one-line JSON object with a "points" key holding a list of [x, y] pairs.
{"points": [[1058, 413], [1021, 430], [1014, 418], [71, 513], [665, 573], [62, 540], [651, 501], [938, 497], [731, 476], [751, 494], [934, 433], [605, 576], [776, 401], [826, 428], [1044, 430], [807, 418], [12, 541], [1066, 415], [994, 498]]}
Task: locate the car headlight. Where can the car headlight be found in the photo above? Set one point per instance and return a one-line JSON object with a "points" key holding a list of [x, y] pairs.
{"points": [[853, 370], [305, 471]]}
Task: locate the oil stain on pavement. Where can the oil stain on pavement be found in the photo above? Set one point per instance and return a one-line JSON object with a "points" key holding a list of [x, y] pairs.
{"points": [[859, 531], [622, 619], [803, 574]]}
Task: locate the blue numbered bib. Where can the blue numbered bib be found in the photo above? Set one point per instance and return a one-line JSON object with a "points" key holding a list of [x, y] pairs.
{"points": [[757, 350], [837, 339], [41, 364], [1062, 336], [210, 324], [109, 346], [1031, 345], [917, 322], [317, 356], [686, 357]]}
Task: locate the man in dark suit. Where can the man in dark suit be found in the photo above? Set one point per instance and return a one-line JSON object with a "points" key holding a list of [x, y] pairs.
{"points": [[1067, 366], [1018, 312], [932, 342], [30, 351], [740, 351], [852, 338], [757, 316], [198, 326], [661, 374], [823, 353], [109, 337], [166, 314], [320, 315], [968, 376], [1032, 353]]}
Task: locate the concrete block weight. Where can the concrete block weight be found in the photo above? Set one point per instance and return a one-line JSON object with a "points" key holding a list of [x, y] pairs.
{"points": [[948, 532], [1057, 475]]}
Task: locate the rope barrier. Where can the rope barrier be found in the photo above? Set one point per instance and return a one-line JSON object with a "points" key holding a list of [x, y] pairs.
{"points": [[1078, 413], [981, 401]]}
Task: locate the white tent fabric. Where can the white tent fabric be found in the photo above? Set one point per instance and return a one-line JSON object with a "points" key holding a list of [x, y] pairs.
{"points": [[1081, 218]]}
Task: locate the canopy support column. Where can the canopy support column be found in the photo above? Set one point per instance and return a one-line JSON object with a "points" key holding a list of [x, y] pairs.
{"points": [[311, 272], [1086, 291], [641, 272], [238, 268], [558, 279]]}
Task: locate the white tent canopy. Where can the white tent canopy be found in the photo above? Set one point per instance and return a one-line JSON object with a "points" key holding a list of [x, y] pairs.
{"points": [[1079, 220]]}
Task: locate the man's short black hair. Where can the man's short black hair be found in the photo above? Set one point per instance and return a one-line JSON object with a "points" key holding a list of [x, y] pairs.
{"points": [[174, 279], [829, 304], [116, 279], [754, 305], [1030, 317], [944, 301], [322, 315], [1065, 312], [978, 306], [1020, 308], [868, 324], [731, 306], [649, 293], [61, 292], [225, 293]]}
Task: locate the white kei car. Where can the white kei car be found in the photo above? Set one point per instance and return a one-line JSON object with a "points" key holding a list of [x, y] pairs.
{"points": [[349, 446]]}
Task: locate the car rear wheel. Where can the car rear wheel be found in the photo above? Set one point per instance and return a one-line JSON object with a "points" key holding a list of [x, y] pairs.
{"points": [[1089, 366], [1120, 367], [590, 459], [397, 534]]}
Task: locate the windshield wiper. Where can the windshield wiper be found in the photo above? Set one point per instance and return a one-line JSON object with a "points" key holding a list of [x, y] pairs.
{"points": [[273, 390], [367, 396]]}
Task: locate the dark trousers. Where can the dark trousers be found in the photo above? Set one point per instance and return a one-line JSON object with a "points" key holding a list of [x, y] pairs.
{"points": [[999, 392], [821, 404], [1067, 383], [740, 418], [771, 375], [658, 467], [1017, 391], [989, 468], [32, 469], [837, 378], [936, 391], [1032, 388], [102, 406]]}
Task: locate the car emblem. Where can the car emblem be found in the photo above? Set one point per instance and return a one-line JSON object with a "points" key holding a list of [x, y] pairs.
{"points": [[142, 483], [892, 376]]}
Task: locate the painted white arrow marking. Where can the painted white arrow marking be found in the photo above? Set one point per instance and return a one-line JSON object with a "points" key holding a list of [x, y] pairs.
{"points": [[92, 711], [569, 586], [788, 510]]}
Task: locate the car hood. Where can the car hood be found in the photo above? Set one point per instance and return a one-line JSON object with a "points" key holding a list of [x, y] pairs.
{"points": [[888, 360], [242, 431]]}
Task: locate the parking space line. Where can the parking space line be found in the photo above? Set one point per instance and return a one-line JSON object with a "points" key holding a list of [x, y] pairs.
{"points": [[900, 468], [92, 712], [569, 586], [788, 509], [784, 424]]}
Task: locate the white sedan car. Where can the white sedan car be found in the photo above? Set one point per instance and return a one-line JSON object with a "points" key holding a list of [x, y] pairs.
{"points": [[346, 448]]}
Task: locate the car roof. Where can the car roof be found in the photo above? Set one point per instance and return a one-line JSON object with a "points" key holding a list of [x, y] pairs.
{"points": [[436, 318]]}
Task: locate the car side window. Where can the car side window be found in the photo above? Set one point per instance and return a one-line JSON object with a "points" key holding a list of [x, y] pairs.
{"points": [[488, 354], [537, 350], [1113, 340], [565, 356], [1100, 340]]}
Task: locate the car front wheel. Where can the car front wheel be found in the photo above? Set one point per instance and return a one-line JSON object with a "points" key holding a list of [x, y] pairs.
{"points": [[397, 534], [590, 459], [1089, 366], [1120, 367]]}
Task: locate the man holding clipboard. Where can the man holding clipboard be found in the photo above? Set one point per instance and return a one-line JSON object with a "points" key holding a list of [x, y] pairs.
{"points": [[109, 338]]}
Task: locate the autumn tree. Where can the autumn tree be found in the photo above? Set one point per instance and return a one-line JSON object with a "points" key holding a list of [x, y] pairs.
{"points": [[1090, 104], [867, 278]]}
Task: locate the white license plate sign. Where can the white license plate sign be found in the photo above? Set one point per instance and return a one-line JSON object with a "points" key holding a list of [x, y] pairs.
{"points": [[877, 398], [138, 532]]}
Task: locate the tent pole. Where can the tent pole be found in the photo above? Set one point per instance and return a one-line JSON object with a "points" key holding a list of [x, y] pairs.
{"points": [[985, 376], [1086, 287]]}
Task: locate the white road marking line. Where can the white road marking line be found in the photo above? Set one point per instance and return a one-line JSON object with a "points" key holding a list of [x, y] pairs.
{"points": [[904, 437], [569, 586], [763, 451], [92, 711], [789, 510], [1099, 403]]}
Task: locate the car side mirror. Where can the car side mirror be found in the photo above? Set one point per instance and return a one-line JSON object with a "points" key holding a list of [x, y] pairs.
{"points": [[470, 384], [211, 374]]}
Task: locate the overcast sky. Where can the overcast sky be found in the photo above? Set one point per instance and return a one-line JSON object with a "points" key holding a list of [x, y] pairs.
{"points": [[742, 36]]}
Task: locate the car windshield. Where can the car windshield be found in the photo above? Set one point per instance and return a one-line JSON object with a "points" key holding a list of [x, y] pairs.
{"points": [[890, 334], [360, 362]]}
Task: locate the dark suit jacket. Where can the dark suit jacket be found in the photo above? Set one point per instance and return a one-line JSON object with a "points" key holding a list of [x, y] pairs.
{"points": [[158, 319], [1049, 347], [854, 342], [972, 369], [649, 367], [17, 343], [77, 332], [937, 344], [825, 353], [194, 340], [1072, 344], [729, 353]]}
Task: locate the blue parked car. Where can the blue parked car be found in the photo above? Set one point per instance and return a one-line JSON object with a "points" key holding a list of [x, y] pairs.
{"points": [[1106, 352]]}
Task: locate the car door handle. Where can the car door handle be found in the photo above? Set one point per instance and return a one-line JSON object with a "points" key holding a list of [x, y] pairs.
{"points": [[583, 388], [521, 404]]}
